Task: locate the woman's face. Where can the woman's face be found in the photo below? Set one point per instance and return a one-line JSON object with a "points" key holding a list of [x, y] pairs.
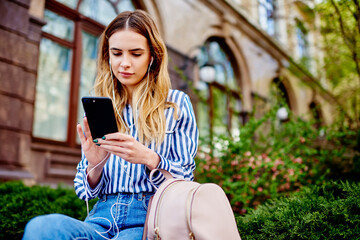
{"points": [[130, 57]]}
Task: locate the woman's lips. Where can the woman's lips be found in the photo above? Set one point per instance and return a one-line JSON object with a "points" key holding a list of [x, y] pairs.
{"points": [[126, 74]]}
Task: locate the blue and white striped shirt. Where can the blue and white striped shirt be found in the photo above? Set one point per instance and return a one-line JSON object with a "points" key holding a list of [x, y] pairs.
{"points": [[176, 153]]}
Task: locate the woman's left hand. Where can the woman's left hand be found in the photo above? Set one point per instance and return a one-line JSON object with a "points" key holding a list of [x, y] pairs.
{"points": [[126, 147]]}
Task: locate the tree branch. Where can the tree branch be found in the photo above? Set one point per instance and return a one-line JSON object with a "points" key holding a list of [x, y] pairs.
{"points": [[347, 39]]}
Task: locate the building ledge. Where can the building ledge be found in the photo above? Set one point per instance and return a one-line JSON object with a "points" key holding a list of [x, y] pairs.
{"points": [[6, 174]]}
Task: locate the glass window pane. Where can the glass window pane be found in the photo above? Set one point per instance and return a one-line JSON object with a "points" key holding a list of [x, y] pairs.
{"points": [[220, 112], [266, 15], [88, 70], [302, 42], [203, 111], [104, 11], [70, 3], [58, 26], [52, 91], [235, 117], [203, 119]]}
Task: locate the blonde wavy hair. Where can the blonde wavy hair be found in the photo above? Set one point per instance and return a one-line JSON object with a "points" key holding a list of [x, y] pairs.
{"points": [[151, 93]]}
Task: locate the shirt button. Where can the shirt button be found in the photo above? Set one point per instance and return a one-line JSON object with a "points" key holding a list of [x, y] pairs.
{"points": [[123, 188]]}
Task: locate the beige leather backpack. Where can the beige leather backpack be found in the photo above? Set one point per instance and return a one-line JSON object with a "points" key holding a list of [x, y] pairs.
{"points": [[188, 210]]}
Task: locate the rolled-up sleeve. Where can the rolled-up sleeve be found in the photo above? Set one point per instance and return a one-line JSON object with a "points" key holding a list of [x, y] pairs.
{"points": [[180, 161]]}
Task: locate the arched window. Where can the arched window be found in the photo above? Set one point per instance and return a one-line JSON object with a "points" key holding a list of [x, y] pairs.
{"points": [[67, 63], [220, 108]]}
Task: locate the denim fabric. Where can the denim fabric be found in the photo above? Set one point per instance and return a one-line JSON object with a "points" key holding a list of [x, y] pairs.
{"points": [[117, 216]]}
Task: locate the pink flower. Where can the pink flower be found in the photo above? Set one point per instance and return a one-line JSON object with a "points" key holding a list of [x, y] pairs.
{"points": [[278, 162], [237, 177], [247, 154], [260, 189], [297, 160], [234, 163]]}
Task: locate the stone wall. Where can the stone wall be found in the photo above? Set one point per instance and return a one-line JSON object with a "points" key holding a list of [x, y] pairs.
{"points": [[19, 36]]}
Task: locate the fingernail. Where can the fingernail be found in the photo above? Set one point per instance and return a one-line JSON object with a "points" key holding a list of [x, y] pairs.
{"points": [[103, 137], [95, 140], [98, 144]]}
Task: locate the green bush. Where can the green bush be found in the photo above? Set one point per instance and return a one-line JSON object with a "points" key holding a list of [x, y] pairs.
{"points": [[272, 158], [331, 211], [20, 203]]}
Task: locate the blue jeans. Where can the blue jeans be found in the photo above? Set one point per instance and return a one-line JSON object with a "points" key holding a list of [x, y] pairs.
{"points": [[117, 216]]}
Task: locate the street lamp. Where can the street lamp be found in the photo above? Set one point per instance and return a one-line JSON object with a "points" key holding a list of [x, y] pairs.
{"points": [[207, 73], [282, 114]]}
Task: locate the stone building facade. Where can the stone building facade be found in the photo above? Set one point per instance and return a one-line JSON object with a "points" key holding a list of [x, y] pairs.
{"points": [[252, 46]]}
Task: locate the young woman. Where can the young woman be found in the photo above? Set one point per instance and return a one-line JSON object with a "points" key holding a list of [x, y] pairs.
{"points": [[157, 129]]}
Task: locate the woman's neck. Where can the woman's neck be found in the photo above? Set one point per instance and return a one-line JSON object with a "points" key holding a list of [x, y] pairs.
{"points": [[130, 92]]}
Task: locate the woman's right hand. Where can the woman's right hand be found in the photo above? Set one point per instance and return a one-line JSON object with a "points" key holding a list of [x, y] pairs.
{"points": [[93, 153]]}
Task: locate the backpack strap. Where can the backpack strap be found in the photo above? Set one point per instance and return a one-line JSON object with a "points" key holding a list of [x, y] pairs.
{"points": [[166, 174], [146, 220]]}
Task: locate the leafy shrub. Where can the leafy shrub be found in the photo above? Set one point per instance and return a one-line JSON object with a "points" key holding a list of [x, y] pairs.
{"points": [[271, 158], [331, 211], [20, 203]]}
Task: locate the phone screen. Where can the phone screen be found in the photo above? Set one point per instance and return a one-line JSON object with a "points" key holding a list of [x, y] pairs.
{"points": [[100, 115]]}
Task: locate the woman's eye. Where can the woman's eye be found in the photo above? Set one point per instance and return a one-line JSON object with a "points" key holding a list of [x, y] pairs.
{"points": [[137, 54], [116, 54]]}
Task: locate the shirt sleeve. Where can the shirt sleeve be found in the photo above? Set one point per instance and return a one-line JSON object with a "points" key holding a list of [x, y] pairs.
{"points": [[81, 185], [183, 149]]}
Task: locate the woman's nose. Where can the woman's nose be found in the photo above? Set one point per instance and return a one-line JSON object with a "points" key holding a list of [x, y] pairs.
{"points": [[125, 61]]}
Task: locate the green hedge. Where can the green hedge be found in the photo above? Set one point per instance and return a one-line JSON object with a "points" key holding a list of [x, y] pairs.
{"points": [[328, 212], [20, 203], [270, 159], [331, 211]]}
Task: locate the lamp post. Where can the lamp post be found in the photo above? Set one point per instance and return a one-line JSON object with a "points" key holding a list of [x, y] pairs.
{"points": [[207, 73], [282, 114]]}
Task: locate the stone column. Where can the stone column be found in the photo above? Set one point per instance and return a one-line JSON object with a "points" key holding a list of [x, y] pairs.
{"points": [[20, 35]]}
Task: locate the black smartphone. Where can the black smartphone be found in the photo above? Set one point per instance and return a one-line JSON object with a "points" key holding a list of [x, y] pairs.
{"points": [[99, 112]]}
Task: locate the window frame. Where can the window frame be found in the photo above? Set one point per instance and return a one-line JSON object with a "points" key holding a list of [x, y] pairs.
{"points": [[81, 24]]}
